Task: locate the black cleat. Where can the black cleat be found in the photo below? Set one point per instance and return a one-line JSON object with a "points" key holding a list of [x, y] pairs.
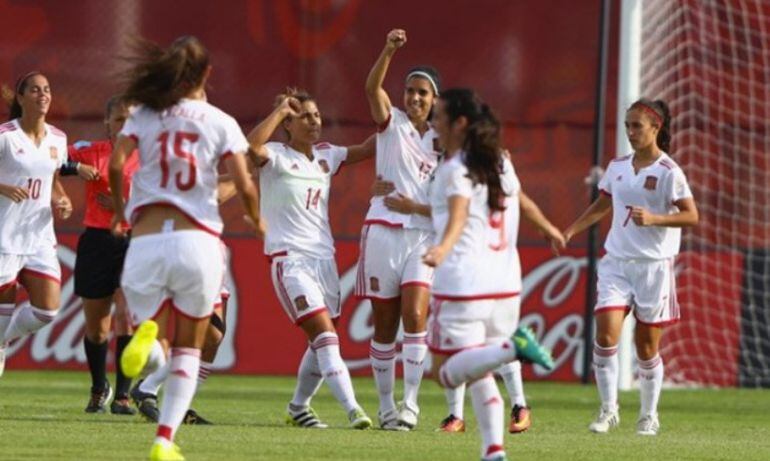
{"points": [[121, 407], [98, 401], [146, 403], [191, 417]]}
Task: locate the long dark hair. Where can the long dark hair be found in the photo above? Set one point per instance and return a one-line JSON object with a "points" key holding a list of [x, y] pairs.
{"points": [[660, 115], [10, 95], [160, 77], [482, 141]]}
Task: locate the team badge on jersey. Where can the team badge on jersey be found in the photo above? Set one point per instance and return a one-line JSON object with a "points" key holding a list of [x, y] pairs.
{"points": [[650, 182], [54, 153], [324, 165]]}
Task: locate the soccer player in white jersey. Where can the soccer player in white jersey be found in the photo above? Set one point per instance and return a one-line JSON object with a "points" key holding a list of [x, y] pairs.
{"points": [[31, 153], [475, 297], [294, 180], [174, 260], [650, 202], [390, 273]]}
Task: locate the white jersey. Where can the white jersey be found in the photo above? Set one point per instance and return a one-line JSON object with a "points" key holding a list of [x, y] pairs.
{"points": [[503, 234], [655, 188], [27, 225], [294, 199], [406, 159], [467, 272], [179, 151]]}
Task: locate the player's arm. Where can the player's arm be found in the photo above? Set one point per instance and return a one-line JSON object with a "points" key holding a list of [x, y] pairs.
{"points": [[77, 164], [534, 215], [362, 151], [61, 200], [591, 216], [225, 188], [458, 215], [402, 204], [122, 149], [686, 216], [379, 102], [236, 166], [262, 133]]}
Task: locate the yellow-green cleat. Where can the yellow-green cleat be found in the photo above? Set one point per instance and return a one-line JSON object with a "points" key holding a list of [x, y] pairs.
{"points": [[358, 419], [137, 351], [163, 452]]}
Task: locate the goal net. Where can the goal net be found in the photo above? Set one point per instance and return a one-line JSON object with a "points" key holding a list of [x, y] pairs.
{"points": [[710, 61]]}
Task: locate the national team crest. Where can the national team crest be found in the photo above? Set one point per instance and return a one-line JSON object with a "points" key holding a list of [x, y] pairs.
{"points": [[54, 153], [650, 182], [324, 166]]}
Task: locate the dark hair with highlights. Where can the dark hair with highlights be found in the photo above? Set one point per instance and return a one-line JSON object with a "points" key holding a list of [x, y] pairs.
{"points": [[660, 109], [482, 141], [160, 77]]}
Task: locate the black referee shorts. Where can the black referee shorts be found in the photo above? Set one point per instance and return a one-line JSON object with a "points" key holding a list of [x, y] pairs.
{"points": [[99, 263]]}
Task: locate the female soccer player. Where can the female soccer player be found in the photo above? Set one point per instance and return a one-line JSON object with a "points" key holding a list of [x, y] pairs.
{"points": [[99, 262], [391, 274], [475, 214], [650, 201], [31, 153], [174, 259], [294, 180]]}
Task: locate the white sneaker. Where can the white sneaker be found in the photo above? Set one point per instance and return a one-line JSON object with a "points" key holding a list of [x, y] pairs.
{"points": [[606, 420], [408, 413], [389, 421], [2, 360], [648, 425]]}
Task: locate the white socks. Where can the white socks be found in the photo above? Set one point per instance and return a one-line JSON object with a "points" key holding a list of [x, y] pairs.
{"points": [[157, 369], [455, 399], [309, 379], [203, 372], [511, 374], [488, 406], [472, 364], [650, 382], [180, 389], [6, 311], [26, 319], [413, 357], [327, 349], [383, 360], [606, 372]]}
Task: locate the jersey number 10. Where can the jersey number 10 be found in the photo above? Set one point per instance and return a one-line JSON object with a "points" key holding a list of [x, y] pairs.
{"points": [[186, 157]]}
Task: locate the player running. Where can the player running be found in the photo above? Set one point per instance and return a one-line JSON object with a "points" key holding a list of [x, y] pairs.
{"points": [[650, 202], [294, 180], [31, 154], [174, 263], [390, 273]]}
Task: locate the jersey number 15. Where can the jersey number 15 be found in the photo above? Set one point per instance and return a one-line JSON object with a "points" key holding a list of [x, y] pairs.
{"points": [[177, 147]]}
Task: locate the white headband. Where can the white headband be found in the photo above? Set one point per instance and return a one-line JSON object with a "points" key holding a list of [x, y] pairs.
{"points": [[425, 75]]}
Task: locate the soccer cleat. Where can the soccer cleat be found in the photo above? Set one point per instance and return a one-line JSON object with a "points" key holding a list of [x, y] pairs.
{"points": [[527, 348], [2, 359], [146, 403], [389, 421], [521, 419], [135, 355], [451, 424], [606, 420], [648, 425], [358, 419], [121, 407], [192, 417], [304, 417], [98, 401], [408, 413], [163, 452]]}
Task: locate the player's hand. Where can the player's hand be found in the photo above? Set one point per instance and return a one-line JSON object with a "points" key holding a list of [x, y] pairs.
{"points": [[260, 226], [382, 187], [396, 39], [64, 207], [642, 217], [17, 194], [117, 225], [435, 256], [400, 204], [88, 172], [105, 201], [557, 239], [290, 107]]}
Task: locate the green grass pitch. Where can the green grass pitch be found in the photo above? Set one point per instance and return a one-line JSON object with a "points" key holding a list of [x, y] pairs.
{"points": [[41, 417]]}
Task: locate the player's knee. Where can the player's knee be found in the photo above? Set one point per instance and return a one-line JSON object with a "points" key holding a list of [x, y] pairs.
{"points": [[606, 339]]}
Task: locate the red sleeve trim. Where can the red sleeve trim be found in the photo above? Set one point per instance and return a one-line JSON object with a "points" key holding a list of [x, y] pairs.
{"points": [[134, 137], [605, 193], [225, 155], [384, 125]]}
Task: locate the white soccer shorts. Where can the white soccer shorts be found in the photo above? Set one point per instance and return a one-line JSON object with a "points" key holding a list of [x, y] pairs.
{"points": [[390, 259], [43, 264], [457, 325], [306, 286], [645, 285], [182, 268]]}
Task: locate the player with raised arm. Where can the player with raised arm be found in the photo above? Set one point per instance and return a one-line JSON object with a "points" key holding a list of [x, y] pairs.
{"points": [[174, 264], [294, 180], [31, 154], [390, 273], [650, 202]]}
